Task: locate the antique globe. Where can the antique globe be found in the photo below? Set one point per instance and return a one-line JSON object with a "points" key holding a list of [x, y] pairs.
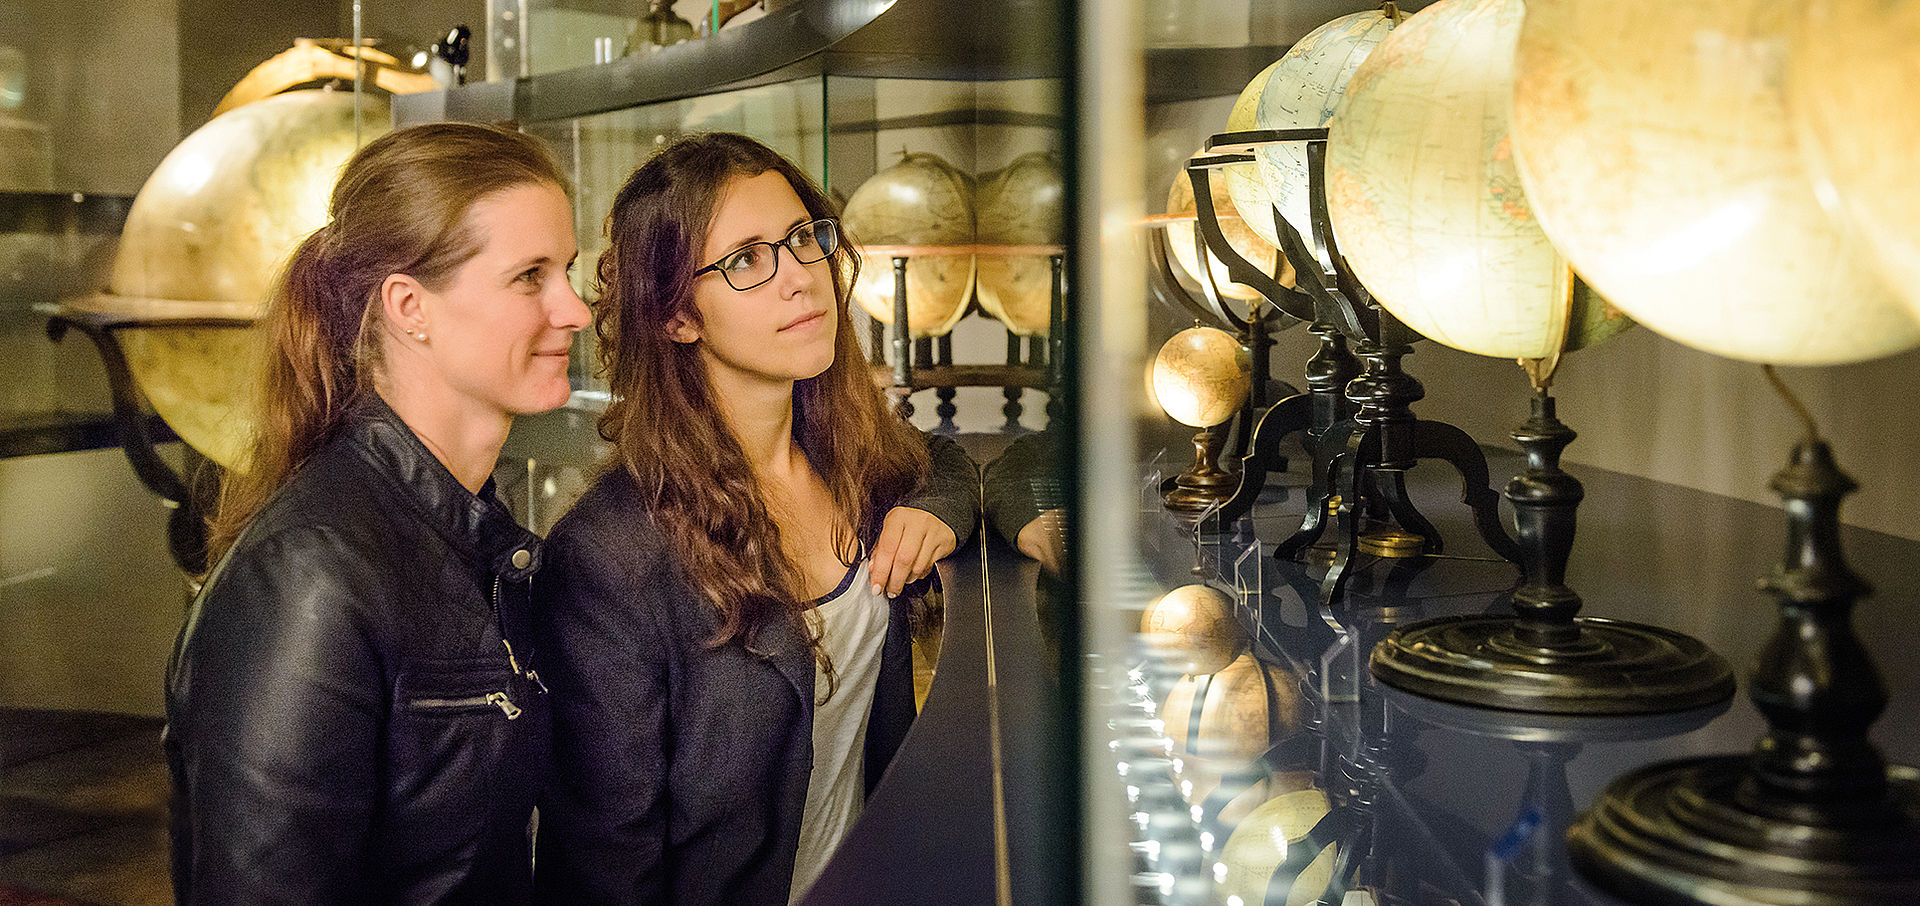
{"points": [[205, 239], [1245, 186], [1193, 628], [1201, 376], [1856, 134], [1020, 205], [1303, 91], [1263, 858], [1220, 722], [1425, 200], [1656, 149], [1239, 233], [924, 204]]}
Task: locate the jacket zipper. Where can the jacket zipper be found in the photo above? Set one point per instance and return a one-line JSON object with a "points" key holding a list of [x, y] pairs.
{"points": [[495, 699]]}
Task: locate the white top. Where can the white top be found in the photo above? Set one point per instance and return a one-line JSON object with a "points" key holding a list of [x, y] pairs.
{"points": [[854, 631]]}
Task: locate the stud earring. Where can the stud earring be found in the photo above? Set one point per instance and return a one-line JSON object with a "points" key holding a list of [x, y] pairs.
{"points": [[420, 335]]}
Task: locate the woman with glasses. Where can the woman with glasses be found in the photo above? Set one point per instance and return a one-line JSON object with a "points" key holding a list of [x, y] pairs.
{"points": [[727, 627]]}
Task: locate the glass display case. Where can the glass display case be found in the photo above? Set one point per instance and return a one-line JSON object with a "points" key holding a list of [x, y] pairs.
{"points": [[1241, 748]]}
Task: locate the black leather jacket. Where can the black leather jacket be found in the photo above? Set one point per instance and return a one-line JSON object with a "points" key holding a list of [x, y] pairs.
{"points": [[343, 721]]}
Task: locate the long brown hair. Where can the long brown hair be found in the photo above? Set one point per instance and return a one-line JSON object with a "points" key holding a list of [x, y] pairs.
{"points": [[670, 437], [400, 207]]}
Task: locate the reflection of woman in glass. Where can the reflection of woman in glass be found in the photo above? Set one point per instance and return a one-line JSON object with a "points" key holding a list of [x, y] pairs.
{"points": [[353, 714], [729, 637]]}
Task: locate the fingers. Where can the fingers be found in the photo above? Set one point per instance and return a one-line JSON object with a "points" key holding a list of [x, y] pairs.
{"points": [[911, 541], [893, 531], [904, 556]]}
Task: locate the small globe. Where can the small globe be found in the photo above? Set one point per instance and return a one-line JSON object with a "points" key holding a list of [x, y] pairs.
{"points": [[1194, 628], [1245, 186], [1220, 722], [1655, 146], [1425, 200], [1261, 845], [1239, 234], [1201, 376], [1021, 204], [206, 237], [1302, 92], [920, 201], [1856, 134]]}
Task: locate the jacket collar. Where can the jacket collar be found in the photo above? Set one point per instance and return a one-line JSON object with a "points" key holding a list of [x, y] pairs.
{"points": [[476, 525]]}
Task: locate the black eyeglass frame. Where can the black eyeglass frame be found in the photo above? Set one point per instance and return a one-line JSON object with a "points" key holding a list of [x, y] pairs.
{"points": [[833, 228]]}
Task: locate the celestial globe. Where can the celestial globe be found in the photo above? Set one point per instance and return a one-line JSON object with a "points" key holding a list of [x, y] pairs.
{"points": [[1259, 847], [1220, 722], [1857, 136], [920, 201], [1239, 234], [206, 236], [1021, 204], [1302, 92], [1425, 200], [1655, 146], [1194, 629], [1201, 376], [1245, 186]]}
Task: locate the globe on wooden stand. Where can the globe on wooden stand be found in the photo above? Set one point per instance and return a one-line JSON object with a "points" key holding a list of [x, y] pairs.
{"points": [[1425, 198], [1687, 202], [1200, 377]]}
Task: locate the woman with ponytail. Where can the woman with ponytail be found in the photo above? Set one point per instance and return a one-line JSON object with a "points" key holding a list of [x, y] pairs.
{"points": [[728, 608], [354, 713]]}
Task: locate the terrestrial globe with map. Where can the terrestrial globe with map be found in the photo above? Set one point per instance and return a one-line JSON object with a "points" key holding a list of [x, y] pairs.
{"points": [[921, 201], [205, 238], [1245, 184], [1239, 233], [1265, 841], [1425, 201], [1302, 91], [1201, 376], [1655, 145], [1021, 204]]}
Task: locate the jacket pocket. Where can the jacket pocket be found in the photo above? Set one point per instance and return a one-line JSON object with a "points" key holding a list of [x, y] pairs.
{"points": [[465, 704]]}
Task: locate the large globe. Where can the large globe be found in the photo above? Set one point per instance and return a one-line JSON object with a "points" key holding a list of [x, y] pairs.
{"points": [[1245, 186], [1220, 722], [1021, 204], [1201, 376], [205, 238], [1194, 628], [1265, 841], [1654, 144], [1426, 202], [1858, 136], [1239, 234], [1302, 92], [920, 201]]}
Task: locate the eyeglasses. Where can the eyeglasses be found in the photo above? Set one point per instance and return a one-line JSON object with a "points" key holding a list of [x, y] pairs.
{"points": [[757, 262]]}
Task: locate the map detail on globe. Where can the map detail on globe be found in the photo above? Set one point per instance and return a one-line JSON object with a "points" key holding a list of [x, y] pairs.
{"points": [[1021, 204], [1303, 91], [1655, 145], [920, 201], [1201, 376], [1427, 203]]}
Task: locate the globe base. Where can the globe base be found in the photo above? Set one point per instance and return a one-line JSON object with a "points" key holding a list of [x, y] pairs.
{"points": [[1599, 667], [1694, 831], [1203, 487]]}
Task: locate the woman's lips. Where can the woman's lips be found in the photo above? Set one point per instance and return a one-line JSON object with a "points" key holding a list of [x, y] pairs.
{"points": [[804, 320]]}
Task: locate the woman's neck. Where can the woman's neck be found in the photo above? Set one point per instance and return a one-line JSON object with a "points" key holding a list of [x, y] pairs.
{"points": [[466, 441], [760, 415]]}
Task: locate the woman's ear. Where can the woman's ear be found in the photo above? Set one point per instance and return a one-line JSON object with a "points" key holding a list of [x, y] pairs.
{"points": [[681, 329], [403, 302]]}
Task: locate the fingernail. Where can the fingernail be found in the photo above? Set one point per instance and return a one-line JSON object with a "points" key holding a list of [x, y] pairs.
{"points": [[877, 589]]}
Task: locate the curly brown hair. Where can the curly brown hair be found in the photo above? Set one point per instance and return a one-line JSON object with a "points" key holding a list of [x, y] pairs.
{"points": [[667, 432]]}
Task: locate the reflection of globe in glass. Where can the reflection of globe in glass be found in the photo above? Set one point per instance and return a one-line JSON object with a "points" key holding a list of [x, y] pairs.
{"points": [[1220, 722], [1304, 89], [208, 232], [1244, 183], [1020, 205], [1425, 200], [1201, 376], [1194, 627], [1261, 844], [922, 200], [1858, 135], [1653, 141]]}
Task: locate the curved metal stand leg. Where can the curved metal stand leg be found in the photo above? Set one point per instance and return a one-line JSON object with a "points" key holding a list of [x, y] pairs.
{"points": [[1347, 469], [1391, 485], [1282, 419], [1439, 440], [1319, 489]]}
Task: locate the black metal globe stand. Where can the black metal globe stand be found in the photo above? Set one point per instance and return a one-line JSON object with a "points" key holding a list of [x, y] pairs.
{"points": [[1813, 816], [1545, 659], [1370, 438]]}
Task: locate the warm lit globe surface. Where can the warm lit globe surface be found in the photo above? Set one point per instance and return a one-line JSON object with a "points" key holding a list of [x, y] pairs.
{"points": [[1201, 376], [920, 201], [1021, 204]]}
